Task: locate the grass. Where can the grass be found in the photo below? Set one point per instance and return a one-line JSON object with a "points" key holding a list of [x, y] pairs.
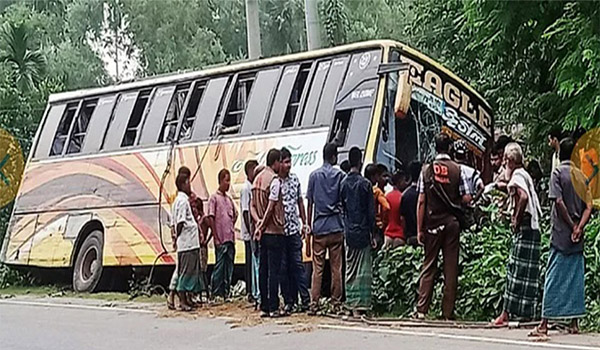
{"points": [[28, 290], [58, 292]]}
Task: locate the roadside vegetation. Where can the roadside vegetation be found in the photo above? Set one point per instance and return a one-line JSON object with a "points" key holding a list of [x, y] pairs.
{"points": [[484, 253]]}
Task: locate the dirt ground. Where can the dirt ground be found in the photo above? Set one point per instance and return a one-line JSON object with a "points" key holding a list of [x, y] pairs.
{"points": [[242, 314]]}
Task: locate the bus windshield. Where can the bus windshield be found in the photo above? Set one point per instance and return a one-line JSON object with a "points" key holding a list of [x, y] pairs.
{"points": [[439, 101]]}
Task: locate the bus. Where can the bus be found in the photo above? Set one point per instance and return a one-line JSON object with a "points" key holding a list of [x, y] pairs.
{"points": [[99, 179]]}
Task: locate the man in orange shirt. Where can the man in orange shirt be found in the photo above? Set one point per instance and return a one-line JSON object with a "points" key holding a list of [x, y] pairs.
{"points": [[394, 232], [374, 174]]}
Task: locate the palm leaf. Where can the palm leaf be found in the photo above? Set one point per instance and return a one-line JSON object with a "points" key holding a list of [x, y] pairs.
{"points": [[27, 66]]}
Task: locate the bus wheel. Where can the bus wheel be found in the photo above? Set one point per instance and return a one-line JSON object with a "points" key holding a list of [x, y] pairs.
{"points": [[87, 270]]}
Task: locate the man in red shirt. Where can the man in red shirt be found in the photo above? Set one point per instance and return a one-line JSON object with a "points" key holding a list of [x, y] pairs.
{"points": [[394, 232]]}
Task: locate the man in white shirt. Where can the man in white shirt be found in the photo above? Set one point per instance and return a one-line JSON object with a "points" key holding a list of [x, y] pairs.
{"points": [[251, 252], [188, 244], [523, 268], [472, 175]]}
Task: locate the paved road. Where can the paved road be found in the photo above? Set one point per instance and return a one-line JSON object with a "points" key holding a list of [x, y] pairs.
{"points": [[31, 326]]}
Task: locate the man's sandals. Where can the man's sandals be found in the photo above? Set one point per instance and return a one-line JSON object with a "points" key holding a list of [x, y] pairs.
{"points": [[499, 322], [537, 332]]}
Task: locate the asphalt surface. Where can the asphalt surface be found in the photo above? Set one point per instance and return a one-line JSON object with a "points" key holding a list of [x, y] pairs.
{"points": [[36, 325]]}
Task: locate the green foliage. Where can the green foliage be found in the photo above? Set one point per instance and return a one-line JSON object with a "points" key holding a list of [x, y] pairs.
{"points": [[481, 280], [10, 277], [592, 275], [483, 268], [26, 65], [483, 258], [576, 36], [335, 21], [282, 26], [396, 280], [536, 62], [173, 35]]}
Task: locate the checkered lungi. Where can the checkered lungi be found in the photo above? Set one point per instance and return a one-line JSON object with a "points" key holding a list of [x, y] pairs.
{"points": [[521, 295]]}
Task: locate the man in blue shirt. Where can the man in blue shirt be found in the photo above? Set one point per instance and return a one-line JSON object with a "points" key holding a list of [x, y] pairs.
{"points": [[359, 220], [325, 216]]}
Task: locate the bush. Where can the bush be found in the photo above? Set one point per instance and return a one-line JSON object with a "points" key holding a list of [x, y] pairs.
{"points": [[483, 257], [396, 280], [10, 277], [592, 275]]}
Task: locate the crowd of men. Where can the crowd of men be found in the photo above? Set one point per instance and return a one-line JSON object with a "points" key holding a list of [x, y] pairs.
{"points": [[570, 192], [348, 216]]}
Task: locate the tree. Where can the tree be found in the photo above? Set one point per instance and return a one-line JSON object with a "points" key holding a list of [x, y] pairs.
{"points": [[26, 65], [335, 22], [174, 35], [283, 25]]}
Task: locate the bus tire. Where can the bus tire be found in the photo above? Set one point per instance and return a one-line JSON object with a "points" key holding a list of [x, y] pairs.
{"points": [[87, 270]]}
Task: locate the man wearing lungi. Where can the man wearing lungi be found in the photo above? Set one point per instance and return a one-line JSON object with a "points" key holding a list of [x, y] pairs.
{"points": [[564, 296]]}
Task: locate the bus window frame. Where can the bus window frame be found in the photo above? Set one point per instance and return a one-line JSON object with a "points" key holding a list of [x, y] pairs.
{"points": [[140, 127], [217, 130], [225, 80], [383, 124], [69, 132], [195, 84], [83, 103], [117, 145], [307, 121], [321, 118], [86, 149], [261, 124], [274, 119], [304, 96], [50, 133], [165, 124], [223, 105], [157, 122]]}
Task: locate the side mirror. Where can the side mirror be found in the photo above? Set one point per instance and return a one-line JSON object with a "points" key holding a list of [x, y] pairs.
{"points": [[403, 95]]}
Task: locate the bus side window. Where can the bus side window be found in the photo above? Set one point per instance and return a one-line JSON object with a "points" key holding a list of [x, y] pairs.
{"points": [[314, 93], [330, 91], [238, 102], [350, 127], [287, 99], [50, 124], [62, 133], [339, 130], [209, 106], [80, 126], [99, 124], [152, 123], [119, 120], [260, 100], [185, 131], [134, 123], [174, 111], [282, 96], [298, 96]]}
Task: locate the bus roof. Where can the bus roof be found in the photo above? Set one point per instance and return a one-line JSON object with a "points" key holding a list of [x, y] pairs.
{"points": [[253, 64]]}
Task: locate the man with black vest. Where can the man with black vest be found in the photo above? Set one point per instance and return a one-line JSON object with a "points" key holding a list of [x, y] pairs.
{"points": [[443, 191]]}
